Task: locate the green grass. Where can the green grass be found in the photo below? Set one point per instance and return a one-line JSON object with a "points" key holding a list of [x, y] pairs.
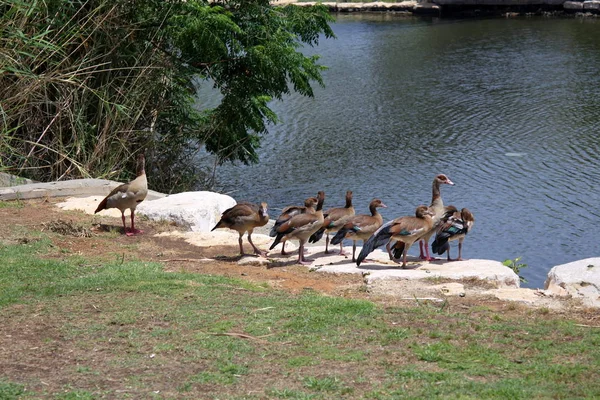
{"points": [[10, 390], [12, 204], [128, 329]]}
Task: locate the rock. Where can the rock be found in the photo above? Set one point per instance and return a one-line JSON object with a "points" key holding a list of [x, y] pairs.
{"points": [[88, 205], [380, 268], [573, 5], [529, 297], [254, 261], [223, 237], [591, 5], [195, 211], [12, 180], [579, 279], [426, 8], [75, 187]]}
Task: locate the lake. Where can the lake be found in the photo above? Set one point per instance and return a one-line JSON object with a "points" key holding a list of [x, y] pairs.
{"points": [[509, 109]]}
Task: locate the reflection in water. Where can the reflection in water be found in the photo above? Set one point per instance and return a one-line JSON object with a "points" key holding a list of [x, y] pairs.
{"points": [[506, 108]]}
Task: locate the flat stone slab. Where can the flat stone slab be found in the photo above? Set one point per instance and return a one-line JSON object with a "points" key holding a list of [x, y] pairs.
{"points": [[529, 297], [75, 187], [381, 267], [88, 205], [226, 237]]}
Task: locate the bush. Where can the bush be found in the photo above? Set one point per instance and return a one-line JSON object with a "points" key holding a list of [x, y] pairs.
{"points": [[87, 84]]}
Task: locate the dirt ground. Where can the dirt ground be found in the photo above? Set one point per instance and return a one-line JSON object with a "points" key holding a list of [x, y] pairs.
{"points": [[79, 233]]}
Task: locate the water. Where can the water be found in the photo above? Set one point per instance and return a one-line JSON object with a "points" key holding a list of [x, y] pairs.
{"points": [[509, 109]]}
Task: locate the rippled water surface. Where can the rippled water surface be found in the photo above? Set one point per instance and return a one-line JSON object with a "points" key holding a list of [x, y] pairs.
{"points": [[509, 109]]}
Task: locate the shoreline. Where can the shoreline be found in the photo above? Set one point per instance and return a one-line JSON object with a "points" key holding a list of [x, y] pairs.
{"points": [[463, 8], [564, 282]]}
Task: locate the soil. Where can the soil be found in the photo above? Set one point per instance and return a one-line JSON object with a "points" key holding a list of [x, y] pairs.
{"points": [[79, 233]]}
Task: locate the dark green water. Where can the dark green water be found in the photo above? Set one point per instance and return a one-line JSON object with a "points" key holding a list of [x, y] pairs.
{"points": [[509, 109]]}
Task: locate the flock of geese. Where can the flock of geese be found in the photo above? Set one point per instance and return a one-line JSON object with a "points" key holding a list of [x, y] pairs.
{"points": [[308, 223]]}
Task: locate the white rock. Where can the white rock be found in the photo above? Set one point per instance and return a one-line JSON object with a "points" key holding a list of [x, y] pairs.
{"points": [[591, 5], [580, 279], [88, 205], [382, 268], [223, 237], [573, 5], [196, 211]]}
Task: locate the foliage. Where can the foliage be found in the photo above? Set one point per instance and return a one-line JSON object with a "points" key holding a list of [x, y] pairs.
{"points": [[516, 266], [9, 391], [86, 84]]}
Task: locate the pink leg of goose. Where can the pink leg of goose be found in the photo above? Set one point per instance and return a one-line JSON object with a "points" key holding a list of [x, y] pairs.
{"points": [[133, 231]]}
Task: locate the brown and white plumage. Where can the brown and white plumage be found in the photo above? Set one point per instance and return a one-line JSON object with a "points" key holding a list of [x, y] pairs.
{"points": [[454, 226], [405, 230], [301, 227], [244, 217], [334, 219], [360, 227], [437, 206], [290, 211], [128, 196]]}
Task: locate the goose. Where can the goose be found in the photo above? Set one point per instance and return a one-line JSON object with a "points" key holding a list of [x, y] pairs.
{"points": [[437, 206], [128, 196], [405, 230], [454, 226], [289, 212], [334, 219], [360, 227], [245, 217], [301, 227]]}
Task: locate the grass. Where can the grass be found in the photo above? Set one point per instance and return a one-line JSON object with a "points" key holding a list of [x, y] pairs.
{"points": [[11, 204], [127, 329]]}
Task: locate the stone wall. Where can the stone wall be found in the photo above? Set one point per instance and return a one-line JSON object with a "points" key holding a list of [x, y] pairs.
{"points": [[443, 7]]}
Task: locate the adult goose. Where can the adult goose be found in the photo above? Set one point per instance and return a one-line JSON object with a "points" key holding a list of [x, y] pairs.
{"points": [[245, 217], [437, 206], [301, 227], [288, 212], [128, 196], [360, 227], [454, 226], [405, 230], [334, 219]]}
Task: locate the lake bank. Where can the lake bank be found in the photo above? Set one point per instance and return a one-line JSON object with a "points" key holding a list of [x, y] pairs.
{"points": [[431, 280], [465, 8]]}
